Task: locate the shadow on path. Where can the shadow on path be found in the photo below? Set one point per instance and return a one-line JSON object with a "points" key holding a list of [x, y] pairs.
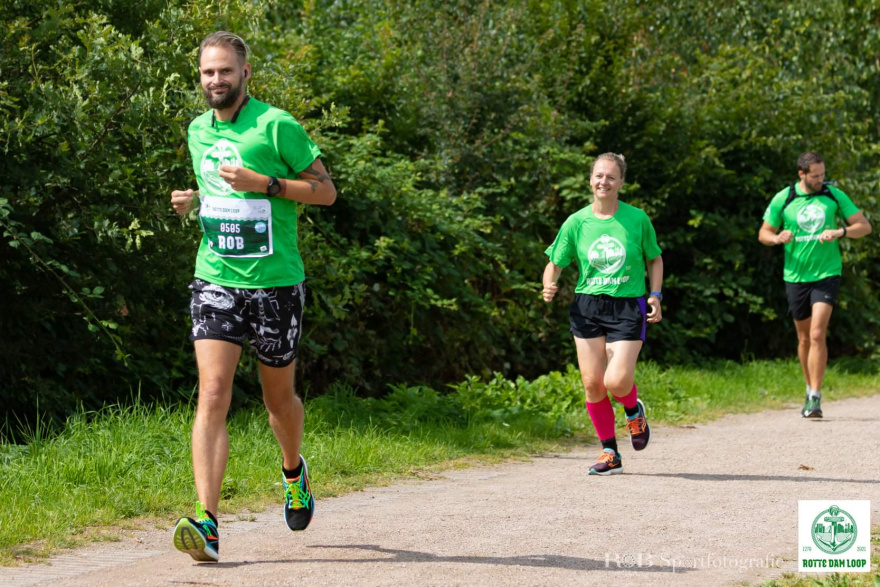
{"points": [[412, 556], [722, 477]]}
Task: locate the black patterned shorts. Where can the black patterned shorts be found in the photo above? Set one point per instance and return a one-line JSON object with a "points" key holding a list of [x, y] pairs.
{"points": [[270, 318]]}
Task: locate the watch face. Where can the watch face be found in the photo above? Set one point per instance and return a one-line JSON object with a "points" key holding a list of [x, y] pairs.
{"points": [[274, 187]]}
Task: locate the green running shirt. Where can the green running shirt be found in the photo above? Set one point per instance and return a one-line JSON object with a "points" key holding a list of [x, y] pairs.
{"points": [[249, 239], [806, 258], [610, 254]]}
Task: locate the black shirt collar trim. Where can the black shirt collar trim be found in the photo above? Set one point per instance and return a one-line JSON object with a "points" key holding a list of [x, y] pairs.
{"points": [[234, 116]]}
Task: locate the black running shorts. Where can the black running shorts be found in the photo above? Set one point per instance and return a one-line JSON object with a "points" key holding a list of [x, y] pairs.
{"points": [[270, 318], [802, 296], [592, 316]]}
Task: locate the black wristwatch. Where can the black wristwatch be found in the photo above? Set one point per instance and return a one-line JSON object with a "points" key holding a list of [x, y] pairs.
{"points": [[274, 187]]}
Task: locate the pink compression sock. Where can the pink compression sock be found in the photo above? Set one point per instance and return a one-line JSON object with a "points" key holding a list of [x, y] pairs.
{"points": [[602, 415], [629, 400]]}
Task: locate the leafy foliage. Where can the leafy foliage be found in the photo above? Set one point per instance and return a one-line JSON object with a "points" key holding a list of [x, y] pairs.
{"points": [[92, 271], [460, 136]]}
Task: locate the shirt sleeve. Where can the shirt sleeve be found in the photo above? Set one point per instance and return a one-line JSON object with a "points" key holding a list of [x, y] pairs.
{"points": [[773, 214], [847, 207], [562, 251], [294, 145], [649, 240]]}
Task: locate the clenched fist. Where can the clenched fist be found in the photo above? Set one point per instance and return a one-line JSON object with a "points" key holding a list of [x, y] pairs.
{"points": [[243, 179], [182, 200]]}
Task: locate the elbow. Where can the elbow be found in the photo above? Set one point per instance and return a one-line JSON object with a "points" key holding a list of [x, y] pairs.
{"points": [[329, 195]]}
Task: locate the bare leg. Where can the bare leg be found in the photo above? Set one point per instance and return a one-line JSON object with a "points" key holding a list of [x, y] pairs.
{"points": [[818, 355], [621, 370], [803, 334], [217, 361], [591, 361], [286, 413]]}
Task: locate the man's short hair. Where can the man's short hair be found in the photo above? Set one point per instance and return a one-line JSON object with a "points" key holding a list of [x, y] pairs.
{"points": [[807, 160], [226, 39]]}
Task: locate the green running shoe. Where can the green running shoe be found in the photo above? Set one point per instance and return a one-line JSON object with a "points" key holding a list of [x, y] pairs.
{"points": [[198, 538], [812, 408], [299, 504]]}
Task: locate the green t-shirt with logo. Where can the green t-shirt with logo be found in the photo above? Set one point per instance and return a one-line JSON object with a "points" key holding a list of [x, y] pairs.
{"points": [[610, 253], [806, 257], [249, 239]]}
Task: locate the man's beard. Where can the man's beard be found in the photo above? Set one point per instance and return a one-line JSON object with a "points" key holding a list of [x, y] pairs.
{"points": [[814, 187], [227, 99]]}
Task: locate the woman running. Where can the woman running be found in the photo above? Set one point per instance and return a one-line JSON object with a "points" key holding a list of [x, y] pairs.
{"points": [[612, 243]]}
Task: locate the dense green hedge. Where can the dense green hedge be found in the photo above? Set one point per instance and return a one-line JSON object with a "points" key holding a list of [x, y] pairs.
{"points": [[460, 136]]}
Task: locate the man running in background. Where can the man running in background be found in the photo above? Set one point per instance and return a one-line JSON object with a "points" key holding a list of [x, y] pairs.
{"points": [[802, 217]]}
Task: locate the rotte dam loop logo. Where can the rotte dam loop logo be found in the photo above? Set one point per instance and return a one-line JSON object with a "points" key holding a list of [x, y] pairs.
{"points": [[811, 218], [607, 254], [222, 152], [834, 531]]}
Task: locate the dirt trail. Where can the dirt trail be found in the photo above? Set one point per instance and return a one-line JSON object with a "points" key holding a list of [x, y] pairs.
{"points": [[707, 505]]}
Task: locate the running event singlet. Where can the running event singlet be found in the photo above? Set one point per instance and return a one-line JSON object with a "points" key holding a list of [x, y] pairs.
{"points": [[806, 258], [250, 239], [610, 253]]}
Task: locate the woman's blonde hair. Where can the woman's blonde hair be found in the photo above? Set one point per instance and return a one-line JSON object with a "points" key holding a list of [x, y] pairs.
{"points": [[616, 158]]}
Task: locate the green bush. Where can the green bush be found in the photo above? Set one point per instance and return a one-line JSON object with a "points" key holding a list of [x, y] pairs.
{"points": [[460, 136]]}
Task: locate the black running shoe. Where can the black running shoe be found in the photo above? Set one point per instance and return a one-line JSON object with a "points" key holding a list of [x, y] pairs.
{"points": [[639, 431], [198, 538], [609, 463], [299, 505]]}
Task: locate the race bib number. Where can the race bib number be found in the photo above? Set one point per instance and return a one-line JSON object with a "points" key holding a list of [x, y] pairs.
{"points": [[237, 228]]}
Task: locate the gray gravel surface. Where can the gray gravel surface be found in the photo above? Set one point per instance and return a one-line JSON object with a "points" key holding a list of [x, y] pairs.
{"points": [[712, 504]]}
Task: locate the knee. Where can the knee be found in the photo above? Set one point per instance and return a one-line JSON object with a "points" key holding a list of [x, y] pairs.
{"points": [[817, 336], [593, 388], [618, 384], [214, 398], [281, 402]]}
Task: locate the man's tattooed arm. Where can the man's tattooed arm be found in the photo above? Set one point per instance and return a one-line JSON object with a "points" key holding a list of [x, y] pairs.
{"points": [[314, 186], [319, 175]]}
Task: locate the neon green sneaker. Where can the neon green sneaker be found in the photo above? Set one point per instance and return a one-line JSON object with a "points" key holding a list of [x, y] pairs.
{"points": [[299, 504], [198, 538]]}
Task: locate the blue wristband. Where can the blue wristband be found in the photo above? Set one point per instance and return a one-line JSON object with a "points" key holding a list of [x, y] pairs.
{"points": [[658, 294]]}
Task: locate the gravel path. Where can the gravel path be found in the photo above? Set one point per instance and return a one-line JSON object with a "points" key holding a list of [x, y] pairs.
{"points": [[712, 504]]}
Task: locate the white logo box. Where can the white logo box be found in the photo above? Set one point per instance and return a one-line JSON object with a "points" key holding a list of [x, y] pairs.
{"points": [[834, 536]]}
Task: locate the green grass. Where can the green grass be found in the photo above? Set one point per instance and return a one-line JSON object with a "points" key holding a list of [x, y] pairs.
{"points": [[129, 467]]}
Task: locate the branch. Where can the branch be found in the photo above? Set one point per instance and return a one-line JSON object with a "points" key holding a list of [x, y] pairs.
{"points": [[110, 120], [120, 351]]}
